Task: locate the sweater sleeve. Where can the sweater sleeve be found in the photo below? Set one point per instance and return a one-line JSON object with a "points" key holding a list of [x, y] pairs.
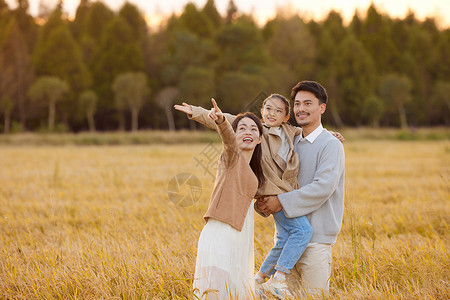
{"points": [[200, 115], [312, 196], [229, 152]]}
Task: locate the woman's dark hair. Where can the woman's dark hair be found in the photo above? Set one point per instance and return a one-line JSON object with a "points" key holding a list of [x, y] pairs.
{"points": [[255, 162], [313, 87], [286, 102]]}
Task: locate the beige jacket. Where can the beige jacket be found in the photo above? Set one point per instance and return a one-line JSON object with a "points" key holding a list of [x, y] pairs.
{"points": [[281, 176], [235, 185]]}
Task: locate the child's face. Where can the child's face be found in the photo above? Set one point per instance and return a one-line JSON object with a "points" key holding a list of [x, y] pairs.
{"points": [[274, 112]]}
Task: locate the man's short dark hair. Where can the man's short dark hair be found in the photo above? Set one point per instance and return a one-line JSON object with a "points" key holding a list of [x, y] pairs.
{"points": [[312, 87]]}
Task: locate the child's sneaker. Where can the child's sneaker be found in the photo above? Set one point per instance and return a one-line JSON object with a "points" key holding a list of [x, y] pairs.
{"points": [[258, 285], [277, 288]]}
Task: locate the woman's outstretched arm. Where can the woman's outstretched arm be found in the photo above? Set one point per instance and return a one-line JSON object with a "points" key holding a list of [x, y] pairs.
{"points": [[200, 115]]}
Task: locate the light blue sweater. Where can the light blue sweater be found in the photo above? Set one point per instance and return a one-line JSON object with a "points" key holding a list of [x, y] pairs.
{"points": [[321, 193]]}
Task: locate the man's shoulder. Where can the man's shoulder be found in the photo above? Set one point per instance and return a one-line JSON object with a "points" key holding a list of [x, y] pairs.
{"points": [[327, 139]]}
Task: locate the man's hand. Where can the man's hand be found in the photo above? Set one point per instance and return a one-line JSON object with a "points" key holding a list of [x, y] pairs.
{"points": [[338, 136], [186, 108], [269, 205], [260, 202]]}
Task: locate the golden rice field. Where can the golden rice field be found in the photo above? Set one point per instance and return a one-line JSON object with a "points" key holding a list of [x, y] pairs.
{"points": [[96, 222]]}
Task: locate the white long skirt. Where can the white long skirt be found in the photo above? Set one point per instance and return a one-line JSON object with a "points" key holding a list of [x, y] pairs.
{"points": [[225, 260]]}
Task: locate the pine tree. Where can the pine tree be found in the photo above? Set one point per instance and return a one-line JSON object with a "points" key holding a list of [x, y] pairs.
{"points": [[232, 12], [58, 54], [210, 11], [196, 22], [118, 52], [16, 67]]}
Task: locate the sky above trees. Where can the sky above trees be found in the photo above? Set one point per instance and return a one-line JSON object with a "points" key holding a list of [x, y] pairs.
{"points": [[263, 9]]}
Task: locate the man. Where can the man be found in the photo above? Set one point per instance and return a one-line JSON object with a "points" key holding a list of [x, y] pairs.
{"points": [[321, 193]]}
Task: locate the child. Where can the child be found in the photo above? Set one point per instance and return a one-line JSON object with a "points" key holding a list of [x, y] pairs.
{"points": [[280, 167]]}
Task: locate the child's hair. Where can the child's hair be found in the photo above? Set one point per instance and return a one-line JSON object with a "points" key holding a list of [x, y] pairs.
{"points": [[286, 102], [255, 162]]}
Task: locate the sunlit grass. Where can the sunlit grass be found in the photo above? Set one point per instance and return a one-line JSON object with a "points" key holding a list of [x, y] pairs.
{"points": [[95, 222]]}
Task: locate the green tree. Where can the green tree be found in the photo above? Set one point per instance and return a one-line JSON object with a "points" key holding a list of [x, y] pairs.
{"points": [[50, 90], [236, 90], [425, 57], [90, 22], [58, 54], [210, 11], [279, 78], [16, 67], [241, 46], [356, 78], [330, 35], [80, 17], [185, 49], [6, 107], [373, 110], [232, 12], [96, 20], [88, 104], [290, 43], [443, 59], [3, 6], [26, 22], [395, 90], [131, 91], [7, 88], [376, 37], [439, 105], [130, 13], [356, 25], [166, 98], [196, 22], [118, 53], [198, 85]]}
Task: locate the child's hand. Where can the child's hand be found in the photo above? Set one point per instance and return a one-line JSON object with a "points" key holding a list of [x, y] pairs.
{"points": [[186, 108], [338, 136], [215, 113]]}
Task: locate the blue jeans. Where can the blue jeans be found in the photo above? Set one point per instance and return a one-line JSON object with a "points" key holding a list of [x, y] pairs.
{"points": [[293, 235]]}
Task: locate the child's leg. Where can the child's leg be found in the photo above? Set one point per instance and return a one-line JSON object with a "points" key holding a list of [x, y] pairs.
{"points": [[267, 268], [299, 233]]}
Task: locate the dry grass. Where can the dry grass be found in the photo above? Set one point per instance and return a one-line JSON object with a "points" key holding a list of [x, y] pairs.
{"points": [[95, 222]]}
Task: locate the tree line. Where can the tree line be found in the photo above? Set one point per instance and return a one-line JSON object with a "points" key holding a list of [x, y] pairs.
{"points": [[106, 70]]}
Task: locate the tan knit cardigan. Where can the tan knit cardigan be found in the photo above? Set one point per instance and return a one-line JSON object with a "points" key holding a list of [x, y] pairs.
{"points": [[235, 185]]}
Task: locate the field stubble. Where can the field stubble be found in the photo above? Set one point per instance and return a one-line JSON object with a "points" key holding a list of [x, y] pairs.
{"points": [[96, 222]]}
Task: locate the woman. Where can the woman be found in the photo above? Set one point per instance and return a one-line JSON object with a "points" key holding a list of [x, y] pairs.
{"points": [[225, 260]]}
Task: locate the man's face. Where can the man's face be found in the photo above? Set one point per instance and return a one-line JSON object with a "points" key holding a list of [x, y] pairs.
{"points": [[307, 109]]}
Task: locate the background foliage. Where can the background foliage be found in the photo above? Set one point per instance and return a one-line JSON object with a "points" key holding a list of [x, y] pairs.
{"points": [[378, 70]]}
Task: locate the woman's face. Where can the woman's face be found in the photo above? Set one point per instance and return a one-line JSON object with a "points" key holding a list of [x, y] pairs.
{"points": [[274, 112], [247, 134]]}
